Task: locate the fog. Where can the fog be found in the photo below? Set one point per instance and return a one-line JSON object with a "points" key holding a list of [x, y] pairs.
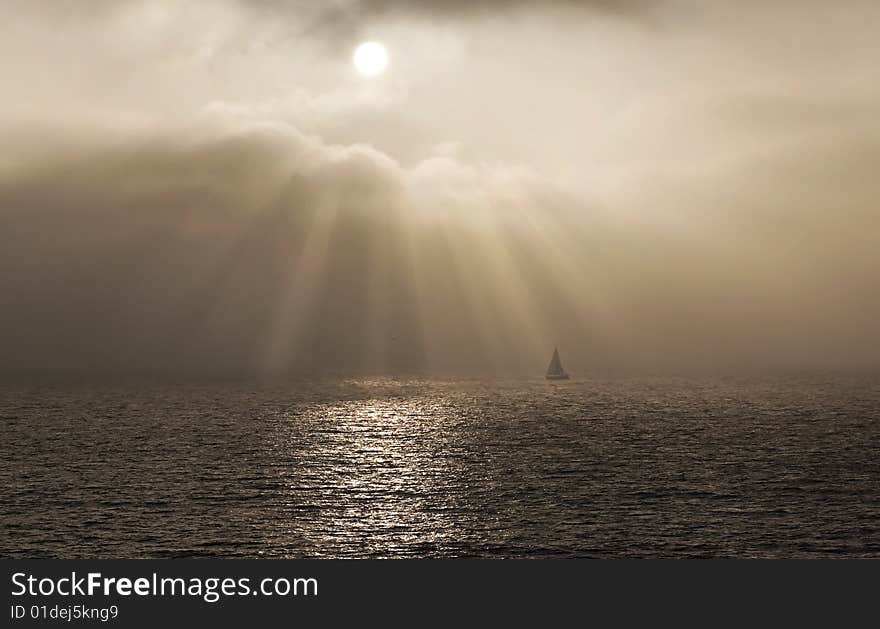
{"points": [[208, 189]]}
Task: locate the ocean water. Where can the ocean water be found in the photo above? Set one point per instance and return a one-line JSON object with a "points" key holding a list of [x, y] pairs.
{"points": [[773, 467]]}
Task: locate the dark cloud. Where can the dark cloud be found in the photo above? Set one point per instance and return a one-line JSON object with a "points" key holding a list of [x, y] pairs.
{"points": [[363, 8], [234, 254], [256, 251], [170, 204], [345, 20], [454, 8]]}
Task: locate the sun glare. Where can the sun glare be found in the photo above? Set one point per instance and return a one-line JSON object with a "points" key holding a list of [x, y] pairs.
{"points": [[371, 58]]}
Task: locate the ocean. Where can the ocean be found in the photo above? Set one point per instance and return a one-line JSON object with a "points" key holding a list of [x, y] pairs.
{"points": [[397, 468]]}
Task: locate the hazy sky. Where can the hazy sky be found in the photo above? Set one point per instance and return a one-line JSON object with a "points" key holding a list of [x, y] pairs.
{"points": [[209, 187]]}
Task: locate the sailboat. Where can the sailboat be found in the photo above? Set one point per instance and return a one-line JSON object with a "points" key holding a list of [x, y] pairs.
{"points": [[555, 370]]}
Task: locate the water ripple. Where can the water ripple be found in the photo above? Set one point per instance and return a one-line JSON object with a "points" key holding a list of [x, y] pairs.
{"points": [[424, 468]]}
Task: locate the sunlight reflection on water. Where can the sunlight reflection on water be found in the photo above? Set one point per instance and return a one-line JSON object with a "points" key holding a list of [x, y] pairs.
{"points": [[390, 459], [387, 468]]}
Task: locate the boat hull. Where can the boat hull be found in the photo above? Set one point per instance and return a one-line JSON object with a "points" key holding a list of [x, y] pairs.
{"points": [[559, 377]]}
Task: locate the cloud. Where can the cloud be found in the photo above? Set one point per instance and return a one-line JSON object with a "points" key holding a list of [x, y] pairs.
{"points": [[188, 190], [237, 247], [364, 9], [348, 19]]}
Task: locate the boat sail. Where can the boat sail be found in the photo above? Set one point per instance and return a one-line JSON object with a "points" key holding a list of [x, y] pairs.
{"points": [[555, 370]]}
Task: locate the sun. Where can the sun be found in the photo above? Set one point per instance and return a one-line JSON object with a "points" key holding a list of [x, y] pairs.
{"points": [[371, 58]]}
